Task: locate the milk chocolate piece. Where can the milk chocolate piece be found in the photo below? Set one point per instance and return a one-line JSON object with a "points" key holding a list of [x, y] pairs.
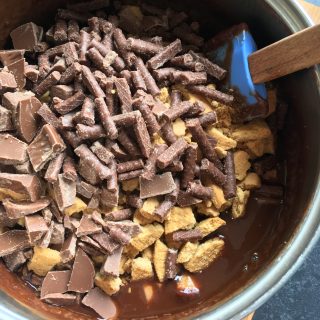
{"points": [[210, 68], [52, 79], [85, 170], [87, 226], [85, 189], [158, 185], [46, 145], [12, 241], [143, 47], [130, 165], [199, 135], [64, 192], [95, 200], [17, 210], [189, 165], [171, 266], [101, 303], [18, 70], [165, 55], [69, 170], [68, 250], [86, 155], [12, 150], [36, 227], [167, 133], [106, 242], [230, 187], [106, 119], [89, 250], [73, 31], [27, 118], [58, 233], [124, 94], [31, 73], [102, 152], [199, 191], [143, 137], [48, 116], [14, 260], [112, 264], [92, 243], [82, 275], [54, 168], [127, 143], [212, 94], [7, 81], [149, 118], [5, 120], [60, 299], [71, 103], [185, 236], [177, 111], [90, 132], [87, 112], [138, 81], [209, 169], [126, 226], [91, 83], [119, 215], [152, 87], [172, 153], [26, 36], [8, 57], [150, 166], [186, 200], [10, 100]]}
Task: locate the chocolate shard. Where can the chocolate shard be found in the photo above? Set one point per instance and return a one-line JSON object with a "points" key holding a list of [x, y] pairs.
{"points": [[209, 169], [186, 200], [230, 186], [165, 55], [45, 241], [106, 242], [91, 83], [27, 118], [112, 264], [143, 137], [87, 226], [46, 145], [158, 185], [60, 299], [26, 36], [64, 192], [68, 250], [101, 303], [12, 150], [82, 275], [12, 241], [5, 120], [16, 210], [58, 233], [127, 227], [26, 185], [212, 94], [14, 260], [61, 91], [119, 215], [185, 236], [171, 264], [197, 190], [7, 81], [124, 94], [8, 57], [174, 152], [48, 116], [85, 189], [55, 282], [18, 70], [54, 167]]}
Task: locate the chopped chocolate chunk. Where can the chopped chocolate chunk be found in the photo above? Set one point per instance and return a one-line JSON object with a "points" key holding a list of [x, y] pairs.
{"points": [[68, 250], [36, 227], [129, 175], [48, 116], [177, 111], [106, 119], [86, 155], [5, 120], [85, 170], [8, 57], [102, 152], [158, 185], [17, 210], [18, 70], [185, 236], [106, 242], [199, 135], [7, 81], [46, 145], [172, 153], [119, 215], [12, 150], [90, 132], [64, 192], [31, 73], [69, 169], [171, 264], [27, 186], [167, 133], [27, 118], [54, 168], [130, 165], [101, 303], [209, 169], [70, 104], [143, 137], [82, 275], [230, 186], [143, 47], [58, 232], [52, 79], [60, 66], [92, 243], [164, 74], [212, 94], [189, 165], [112, 264], [148, 116], [60, 299], [87, 226], [26, 36], [14, 260], [91, 83], [87, 112], [12, 241], [85, 189], [199, 191], [210, 68], [186, 200]]}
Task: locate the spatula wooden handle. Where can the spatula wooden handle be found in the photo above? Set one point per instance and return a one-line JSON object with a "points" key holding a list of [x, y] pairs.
{"points": [[298, 51]]}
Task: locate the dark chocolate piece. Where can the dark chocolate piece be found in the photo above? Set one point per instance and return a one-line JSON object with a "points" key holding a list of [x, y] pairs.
{"points": [[48, 116], [91, 83], [142, 135], [68, 250], [102, 152], [208, 119], [189, 164], [71, 103], [186, 200], [174, 152], [199, 191], [209, 169], [69, 169], [112, 183], [36, 227], [164, 74], [70, 53], [61, 91], [185, 236], [101, 303], [188, 77], [171, 264], [12, 150], [212, 94], [106, 242], [130, 165], [130, 175], [82, 275], [52, 79], [112, 264], [14, 260], [230, 187], [12, 241], [71, 138], [121, 42], [85, 171], [87, 226], [64, 192], [158, 185], [60, 31]]}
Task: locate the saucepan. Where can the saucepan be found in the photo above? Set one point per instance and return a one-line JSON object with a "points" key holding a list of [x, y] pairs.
{"points": [[296, 228]]}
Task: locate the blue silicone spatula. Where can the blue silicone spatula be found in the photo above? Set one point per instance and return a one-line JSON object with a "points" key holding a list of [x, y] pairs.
{"points": [[249, 68]]}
